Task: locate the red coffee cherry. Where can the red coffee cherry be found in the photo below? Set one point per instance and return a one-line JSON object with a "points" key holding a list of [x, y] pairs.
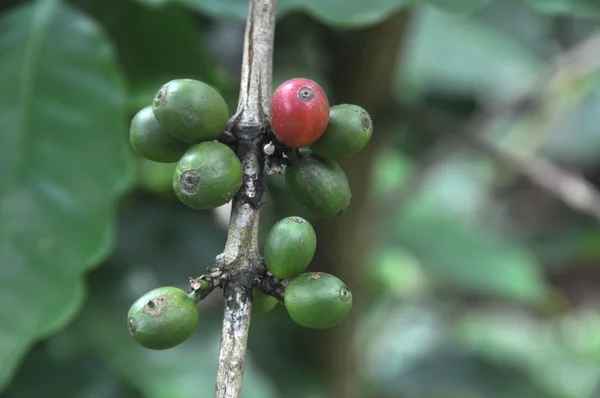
{"points": [[299, 112]]}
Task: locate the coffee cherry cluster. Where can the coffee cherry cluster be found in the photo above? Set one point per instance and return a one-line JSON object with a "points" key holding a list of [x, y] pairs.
{"points": [[185, 124], [319, 136], [315, 299], [182, 125]]}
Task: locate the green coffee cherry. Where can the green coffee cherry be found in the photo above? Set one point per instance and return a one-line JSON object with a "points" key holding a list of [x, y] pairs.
{"points": [[290, 247], [318, 300], [348, 131], [151, 141], [155, 177], [191, 110], [162, 318], [319, 184], [208, 175], [262, 302]]}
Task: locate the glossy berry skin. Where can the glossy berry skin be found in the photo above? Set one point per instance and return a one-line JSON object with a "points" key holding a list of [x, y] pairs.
{"points": [[151, 141], [299, 112], [319, 184], [262, 302], [290, 247], [317, 300], [190, 110], [162, 318], [349, 130], [208, 175]]}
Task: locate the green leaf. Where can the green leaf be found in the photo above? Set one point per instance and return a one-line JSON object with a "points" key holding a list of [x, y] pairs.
{"points": [[396, 272], [574, 138], [561, 354], [406, 346], [582, 8], [460, 6], [471, 258], [161, 44], [478, 59], [332, 12], [345, 12], [64, 161], [441, 228], [360, 13], [58, 372]]}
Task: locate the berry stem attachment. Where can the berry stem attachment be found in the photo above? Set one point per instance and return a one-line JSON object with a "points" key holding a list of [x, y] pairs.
{"points": [[271, 286], [227, 138], [240, 260], [203, 285]]}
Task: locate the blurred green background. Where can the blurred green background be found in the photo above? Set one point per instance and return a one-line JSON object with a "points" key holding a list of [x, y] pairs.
{"points": [[469, 280]]}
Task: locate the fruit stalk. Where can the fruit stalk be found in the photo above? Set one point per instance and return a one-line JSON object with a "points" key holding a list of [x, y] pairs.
{"points": [[240, 261], [271, 286]]}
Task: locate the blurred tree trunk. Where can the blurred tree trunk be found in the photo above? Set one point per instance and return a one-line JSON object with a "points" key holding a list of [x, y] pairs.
{"points": [[363, 68]]}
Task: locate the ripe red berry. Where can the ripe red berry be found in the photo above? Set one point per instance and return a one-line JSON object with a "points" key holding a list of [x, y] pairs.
{"points": [[299, 112]]}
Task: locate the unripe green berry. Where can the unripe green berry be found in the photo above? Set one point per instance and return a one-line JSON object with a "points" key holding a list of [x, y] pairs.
{"points": [[319, 184], [290, 247], [162, 318], [156, 177], [191, 110], [262, 302], [151, 141], [208, 175], [348, 131], [317, 300]]}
